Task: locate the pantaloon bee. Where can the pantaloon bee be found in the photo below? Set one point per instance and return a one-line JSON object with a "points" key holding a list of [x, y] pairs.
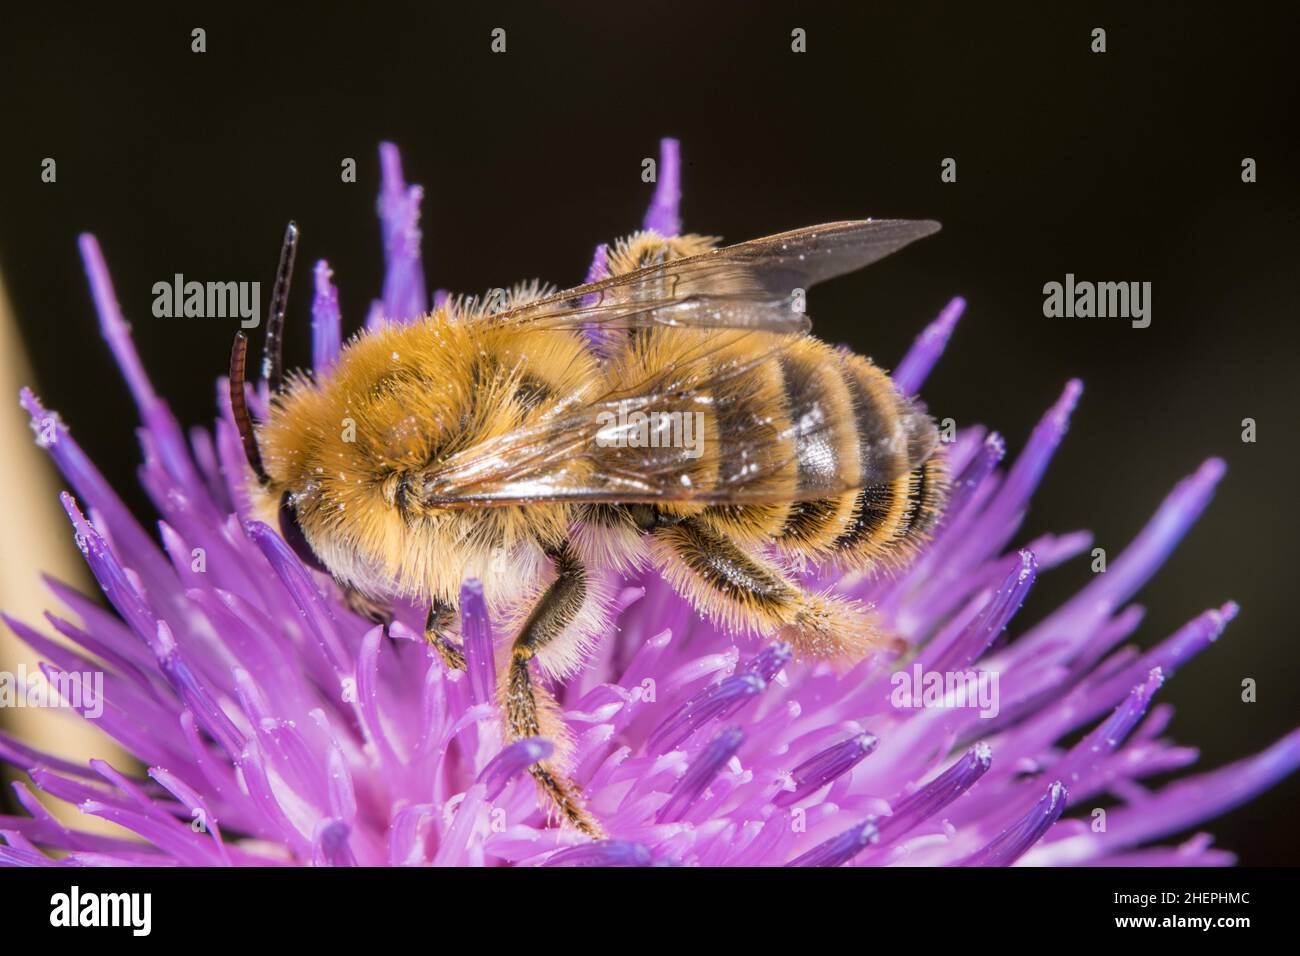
{"points": [[537, 446]]}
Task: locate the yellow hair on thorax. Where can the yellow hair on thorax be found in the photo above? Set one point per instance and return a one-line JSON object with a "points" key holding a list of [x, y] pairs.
{"points": [[348, 447]]}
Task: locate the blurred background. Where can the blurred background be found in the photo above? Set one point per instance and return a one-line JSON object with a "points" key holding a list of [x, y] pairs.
{"points": [[1117, 166]]}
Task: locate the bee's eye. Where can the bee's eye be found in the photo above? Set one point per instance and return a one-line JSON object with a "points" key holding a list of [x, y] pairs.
{"points": [[291, 531]]}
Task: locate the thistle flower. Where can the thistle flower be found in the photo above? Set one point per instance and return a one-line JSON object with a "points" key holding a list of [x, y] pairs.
{"points": [[279, 728]]}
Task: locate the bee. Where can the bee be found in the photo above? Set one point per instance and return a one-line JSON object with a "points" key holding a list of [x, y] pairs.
{"points": [[675, 413]]}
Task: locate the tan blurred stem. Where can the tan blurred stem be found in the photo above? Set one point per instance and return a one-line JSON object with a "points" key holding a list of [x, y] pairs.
{"points": [[37, 538]]}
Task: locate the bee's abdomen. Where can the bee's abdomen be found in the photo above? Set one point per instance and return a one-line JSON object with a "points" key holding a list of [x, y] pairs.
{"points": [[824, 408], [865, 430], [812, 448], [752, 447], [822, 402]]}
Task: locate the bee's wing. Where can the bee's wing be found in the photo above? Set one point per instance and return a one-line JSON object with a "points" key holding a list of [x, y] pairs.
{"points": [[746, 286], [595, 448]]}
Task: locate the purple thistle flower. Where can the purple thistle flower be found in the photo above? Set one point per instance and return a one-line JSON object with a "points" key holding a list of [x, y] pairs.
{"points": [[279, 728]]}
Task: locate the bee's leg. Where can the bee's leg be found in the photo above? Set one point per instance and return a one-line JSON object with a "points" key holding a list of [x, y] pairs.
{"points": [[373, 610], [528, 710], [438, 628], [745, 592]]}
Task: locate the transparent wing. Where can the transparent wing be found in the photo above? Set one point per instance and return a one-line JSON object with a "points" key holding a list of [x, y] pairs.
{"points": [[714, 426], [744, 286]]}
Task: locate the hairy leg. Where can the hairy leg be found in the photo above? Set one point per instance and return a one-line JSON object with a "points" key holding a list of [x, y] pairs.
{"points": [[373, 610], [439, 627], [746, 592], [528, 710]]}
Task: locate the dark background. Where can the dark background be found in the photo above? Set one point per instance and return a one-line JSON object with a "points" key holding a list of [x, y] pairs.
{"points": [[1122, 166]]}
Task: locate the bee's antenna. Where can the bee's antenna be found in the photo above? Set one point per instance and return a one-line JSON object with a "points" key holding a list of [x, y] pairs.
{"points": [[273, 348], [239, 404]]}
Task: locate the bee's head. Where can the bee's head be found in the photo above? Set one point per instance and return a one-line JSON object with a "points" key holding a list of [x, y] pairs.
{"points": [[333, 456]]}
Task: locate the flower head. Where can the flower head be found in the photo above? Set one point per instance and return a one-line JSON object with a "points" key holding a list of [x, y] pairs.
{"points": [[277, 726]]}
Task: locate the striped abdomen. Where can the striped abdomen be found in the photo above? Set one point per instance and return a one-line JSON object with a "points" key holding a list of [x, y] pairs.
{"points": [[853, 462]]}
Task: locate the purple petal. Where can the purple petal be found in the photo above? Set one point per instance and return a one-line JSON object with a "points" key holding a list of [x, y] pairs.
{"points": [[827, 766], [712, 702], [603, 853], [706, 765], [842, 848], [511, 762], [925, 351], [1012, 843], [663, 216], [326, 323], [937, 794], [331, 844], [399, 213], [476, 633]]}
